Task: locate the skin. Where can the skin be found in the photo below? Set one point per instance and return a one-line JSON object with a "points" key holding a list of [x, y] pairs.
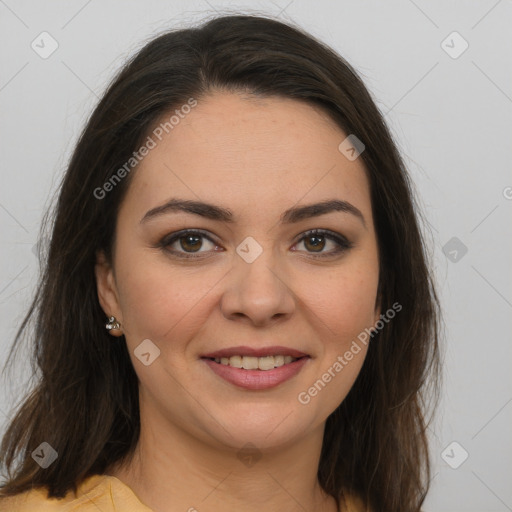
{"points": [[257, 157]]}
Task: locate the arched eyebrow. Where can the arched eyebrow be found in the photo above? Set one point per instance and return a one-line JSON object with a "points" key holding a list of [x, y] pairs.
{"points": [[218, 213]]}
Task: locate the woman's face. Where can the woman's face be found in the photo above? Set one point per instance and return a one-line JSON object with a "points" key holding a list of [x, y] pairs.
{"points": [[252, 279]]}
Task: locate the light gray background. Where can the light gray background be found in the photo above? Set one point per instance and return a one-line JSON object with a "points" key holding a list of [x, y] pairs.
{"points": [[452, 120]]}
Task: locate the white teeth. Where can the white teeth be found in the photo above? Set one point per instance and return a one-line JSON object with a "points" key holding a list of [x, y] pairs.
{"points": [[266, 363], [235, 361], [255, 363], [249, 363]]}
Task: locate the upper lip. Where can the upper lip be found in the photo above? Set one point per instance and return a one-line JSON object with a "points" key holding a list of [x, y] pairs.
{"points": [[256, 352]]}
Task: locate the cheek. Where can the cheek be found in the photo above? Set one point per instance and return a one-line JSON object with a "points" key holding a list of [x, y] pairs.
{"points": [[157, 298], [343, 300], [343, 306], [165, 300]]}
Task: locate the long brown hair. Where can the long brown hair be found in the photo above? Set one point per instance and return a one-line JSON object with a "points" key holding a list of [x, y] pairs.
{"points": [[85, 401]]}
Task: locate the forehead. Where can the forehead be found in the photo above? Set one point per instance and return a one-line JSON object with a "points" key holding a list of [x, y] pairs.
{"points": [[248, 151]]}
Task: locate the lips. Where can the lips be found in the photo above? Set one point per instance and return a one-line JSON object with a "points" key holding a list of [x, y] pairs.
{"points": [[255, 352], [257, 380]]}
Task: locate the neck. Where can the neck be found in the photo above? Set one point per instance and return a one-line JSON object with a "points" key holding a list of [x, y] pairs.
{"points": [[171, 470]]}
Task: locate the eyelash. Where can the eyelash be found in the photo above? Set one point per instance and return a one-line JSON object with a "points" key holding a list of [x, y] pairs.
{"points": [[343, 243]]}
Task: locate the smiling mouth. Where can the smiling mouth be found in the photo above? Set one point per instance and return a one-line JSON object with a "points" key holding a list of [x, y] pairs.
{"points": [[255, 363]]}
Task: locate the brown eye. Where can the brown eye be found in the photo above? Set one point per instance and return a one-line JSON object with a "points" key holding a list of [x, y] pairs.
{"points": [[316, 240], [190, 243], [317, 243]]}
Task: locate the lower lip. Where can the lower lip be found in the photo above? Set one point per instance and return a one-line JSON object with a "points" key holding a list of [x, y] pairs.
{"points": [[257, 379]]}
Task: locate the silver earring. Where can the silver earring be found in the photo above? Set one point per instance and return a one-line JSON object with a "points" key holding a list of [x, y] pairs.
{"points": [[112, 324]]}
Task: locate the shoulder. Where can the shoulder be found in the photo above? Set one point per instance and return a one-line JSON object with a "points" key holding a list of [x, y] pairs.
{"points": [[98, 492], [353, 503]]}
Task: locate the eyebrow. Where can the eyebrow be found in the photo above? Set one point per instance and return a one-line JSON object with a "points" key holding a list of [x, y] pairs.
{"points": [[290, 216]]}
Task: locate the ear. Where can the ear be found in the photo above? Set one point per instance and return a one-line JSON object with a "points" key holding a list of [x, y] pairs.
{"points": [[377, 315], [378, 302], [107, 290]]}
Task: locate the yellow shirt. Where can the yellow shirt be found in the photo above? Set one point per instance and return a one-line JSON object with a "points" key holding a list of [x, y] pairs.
{"points": [[103, 493]]}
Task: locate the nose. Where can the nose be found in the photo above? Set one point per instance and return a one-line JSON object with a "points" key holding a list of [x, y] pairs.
{"points": [[257, 292]]}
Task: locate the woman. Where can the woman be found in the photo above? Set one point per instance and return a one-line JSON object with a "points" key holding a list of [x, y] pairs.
{"points": [[236, 311]]}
